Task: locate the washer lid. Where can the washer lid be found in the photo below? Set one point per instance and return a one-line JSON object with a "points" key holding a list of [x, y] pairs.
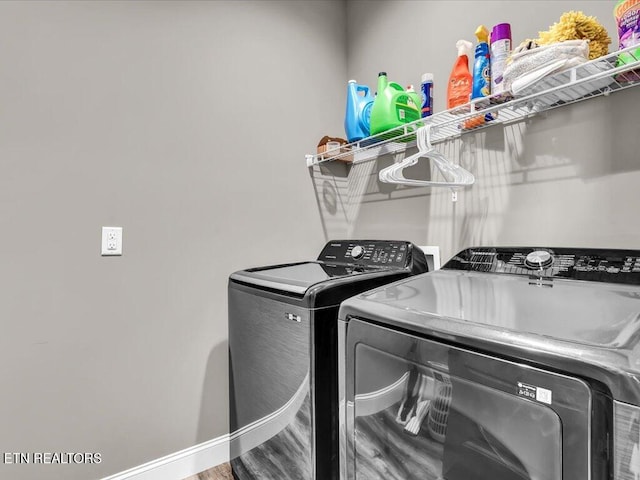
{"points": [[583, 313], [552, 323], [297, 278]]}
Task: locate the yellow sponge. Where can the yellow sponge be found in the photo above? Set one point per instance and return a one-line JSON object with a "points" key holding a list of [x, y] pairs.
{"points": [[578, 26]]}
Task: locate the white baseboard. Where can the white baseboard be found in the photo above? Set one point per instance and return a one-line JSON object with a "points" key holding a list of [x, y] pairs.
{"points": [[258, 432], [196, 459], [182, 464]]}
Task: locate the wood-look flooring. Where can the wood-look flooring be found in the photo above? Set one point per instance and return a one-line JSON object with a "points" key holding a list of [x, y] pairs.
{"points": [[386, 452], [286, 456], [221, 472]]}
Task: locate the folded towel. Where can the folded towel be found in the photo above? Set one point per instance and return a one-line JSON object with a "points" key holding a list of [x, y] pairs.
{"points": [[557, 55]]}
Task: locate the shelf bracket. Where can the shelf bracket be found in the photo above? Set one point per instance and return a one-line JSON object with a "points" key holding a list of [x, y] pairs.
{"points": [[310, 160]]}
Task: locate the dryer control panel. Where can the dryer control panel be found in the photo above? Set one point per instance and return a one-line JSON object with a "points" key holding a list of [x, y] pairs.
{"points": [[377, 253], [595, 265]]}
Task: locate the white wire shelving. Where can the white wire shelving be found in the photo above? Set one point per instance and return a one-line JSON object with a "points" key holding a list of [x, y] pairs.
{"points": [[598, 77]]}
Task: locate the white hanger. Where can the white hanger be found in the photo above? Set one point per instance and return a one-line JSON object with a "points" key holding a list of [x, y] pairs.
{"points": [[455, 176]]}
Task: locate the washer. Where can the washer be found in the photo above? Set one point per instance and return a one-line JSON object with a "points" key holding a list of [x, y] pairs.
{"points": [[506, 364], [283, 397]]}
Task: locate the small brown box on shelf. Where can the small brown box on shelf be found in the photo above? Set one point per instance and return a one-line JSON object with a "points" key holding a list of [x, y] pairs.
{"points": [[332, 147]]}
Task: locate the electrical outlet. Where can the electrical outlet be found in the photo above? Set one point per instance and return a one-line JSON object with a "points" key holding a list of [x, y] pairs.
{"points": [[432, 253], [111, 240]]}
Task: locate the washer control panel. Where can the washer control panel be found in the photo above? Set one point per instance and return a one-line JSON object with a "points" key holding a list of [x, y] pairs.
{"points": [[367, 252], [597, 265]]}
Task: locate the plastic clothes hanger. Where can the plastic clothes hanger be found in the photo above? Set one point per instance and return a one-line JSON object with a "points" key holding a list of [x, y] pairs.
{"points": [[455, 176]]}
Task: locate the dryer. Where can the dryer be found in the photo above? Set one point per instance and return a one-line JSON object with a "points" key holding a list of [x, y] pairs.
{"points": [[283, 399], [506, 364]]}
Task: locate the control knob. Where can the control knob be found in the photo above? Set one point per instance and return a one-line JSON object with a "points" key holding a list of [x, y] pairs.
{"points": [[538, 259], [357, 252]]}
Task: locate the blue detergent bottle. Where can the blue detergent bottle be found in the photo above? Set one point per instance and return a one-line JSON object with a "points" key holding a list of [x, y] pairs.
{"points": [[357, 120], [482, 67], [481, 78]]}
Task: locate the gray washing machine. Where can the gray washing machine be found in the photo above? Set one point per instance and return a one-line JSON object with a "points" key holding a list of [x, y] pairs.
{"points": [[283, 398], [506, 364]]}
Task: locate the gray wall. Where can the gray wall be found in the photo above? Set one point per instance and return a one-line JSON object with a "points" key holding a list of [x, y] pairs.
{"points": [[565, 178], [186, 123]]}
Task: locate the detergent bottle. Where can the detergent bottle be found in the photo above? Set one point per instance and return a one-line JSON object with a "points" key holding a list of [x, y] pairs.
{"points": [[460, 80], [482, 67], [393, 106], [358, 115], [481, 77], [414, 97]]}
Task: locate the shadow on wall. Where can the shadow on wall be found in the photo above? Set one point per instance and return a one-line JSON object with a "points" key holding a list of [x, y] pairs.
{"points": [[346, 194], [531, 177], [599, 136], [596, 138], [210, 407], [546, 180]]}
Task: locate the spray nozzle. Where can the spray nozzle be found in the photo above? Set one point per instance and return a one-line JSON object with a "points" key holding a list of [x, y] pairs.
{"points": [[464, 47]]}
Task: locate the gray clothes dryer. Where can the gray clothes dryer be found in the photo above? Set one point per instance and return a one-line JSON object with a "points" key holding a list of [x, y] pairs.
{"points": [[283, 398], [506, 364]]}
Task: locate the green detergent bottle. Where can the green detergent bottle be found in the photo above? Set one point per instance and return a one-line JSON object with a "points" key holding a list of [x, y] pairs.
{"points": [[393, 107]]}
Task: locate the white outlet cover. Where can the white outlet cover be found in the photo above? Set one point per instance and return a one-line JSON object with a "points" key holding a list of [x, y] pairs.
{"points": [[433, 256], [111, 240]]}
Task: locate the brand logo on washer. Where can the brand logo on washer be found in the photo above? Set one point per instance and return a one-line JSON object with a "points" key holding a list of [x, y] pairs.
{"points": [[293, 317]]}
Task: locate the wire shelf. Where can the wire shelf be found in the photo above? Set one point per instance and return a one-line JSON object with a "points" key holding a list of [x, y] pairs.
{"points": [[601, 76]]}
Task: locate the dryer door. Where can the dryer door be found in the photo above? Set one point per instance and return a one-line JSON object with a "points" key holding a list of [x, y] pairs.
{"points": [[421, 409]]}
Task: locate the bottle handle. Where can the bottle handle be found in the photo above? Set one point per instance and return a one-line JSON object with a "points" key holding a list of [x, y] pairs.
{"points": [[363, 88]]}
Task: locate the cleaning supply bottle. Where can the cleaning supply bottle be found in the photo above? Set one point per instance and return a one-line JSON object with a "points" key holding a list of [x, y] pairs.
{"points": [[393, 106], [481, 67], [481, 78], [460, 80], [627, 16], [357, 119], [426, 89], [500, 51], [414, 97]]}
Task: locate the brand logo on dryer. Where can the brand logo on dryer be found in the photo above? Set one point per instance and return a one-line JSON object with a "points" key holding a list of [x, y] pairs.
{"points": [[536, 393]]}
